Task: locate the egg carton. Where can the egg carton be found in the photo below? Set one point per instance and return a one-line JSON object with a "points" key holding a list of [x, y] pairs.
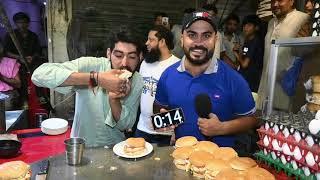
{"points": [[291, 123], [316, 19], [288, 148], [308, 143], [313, 162], [298, 173]]}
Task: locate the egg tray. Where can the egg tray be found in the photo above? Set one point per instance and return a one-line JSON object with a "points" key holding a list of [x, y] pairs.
{"points": [[316, 19], [278, 166], [300, 163], [301, 126], [304, 148]]}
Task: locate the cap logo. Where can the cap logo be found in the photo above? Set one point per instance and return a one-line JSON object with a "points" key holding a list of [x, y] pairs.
{"points": [[202, 14]]}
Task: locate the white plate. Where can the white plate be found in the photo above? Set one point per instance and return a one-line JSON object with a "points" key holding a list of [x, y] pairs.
{"points": [[54, 126], [118, 150]]}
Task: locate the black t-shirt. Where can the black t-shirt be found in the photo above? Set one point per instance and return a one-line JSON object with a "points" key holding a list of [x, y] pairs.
{"points": [[30, 44], [253, 49]]}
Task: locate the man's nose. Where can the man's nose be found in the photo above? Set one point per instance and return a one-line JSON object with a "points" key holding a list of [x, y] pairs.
{"points": [[124, 61]]}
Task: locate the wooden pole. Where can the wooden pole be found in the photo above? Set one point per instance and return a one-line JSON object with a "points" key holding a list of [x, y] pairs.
{"points": [[9, 29]]}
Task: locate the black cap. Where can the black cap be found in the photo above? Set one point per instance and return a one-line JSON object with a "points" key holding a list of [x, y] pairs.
{"points": [[21, 16], [252, 19], [190, 18]]}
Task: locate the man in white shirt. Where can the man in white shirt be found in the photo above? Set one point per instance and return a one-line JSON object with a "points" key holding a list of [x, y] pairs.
{"points": [[157, 59], [287, 23]]}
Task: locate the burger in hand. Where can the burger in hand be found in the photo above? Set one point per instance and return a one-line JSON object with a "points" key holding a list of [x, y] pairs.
{"points": [[135, 146]]}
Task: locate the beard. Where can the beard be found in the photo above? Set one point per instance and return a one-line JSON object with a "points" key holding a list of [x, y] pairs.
{"points": [[198, 62], [153, 55]]}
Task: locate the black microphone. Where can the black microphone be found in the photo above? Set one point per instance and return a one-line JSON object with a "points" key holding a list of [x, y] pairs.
{"points": [[202, 103]]}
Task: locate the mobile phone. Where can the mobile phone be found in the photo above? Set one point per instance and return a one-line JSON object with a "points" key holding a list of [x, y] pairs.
{"points": [[166, 119], [165, 21]]}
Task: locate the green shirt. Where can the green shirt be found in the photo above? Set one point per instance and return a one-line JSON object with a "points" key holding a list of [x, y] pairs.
{"points": [[93, 119]]}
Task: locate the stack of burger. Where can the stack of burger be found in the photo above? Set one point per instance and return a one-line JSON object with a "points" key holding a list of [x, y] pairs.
{"points": [[15, 170], [205, 159], [135, 146], [313, 98]]}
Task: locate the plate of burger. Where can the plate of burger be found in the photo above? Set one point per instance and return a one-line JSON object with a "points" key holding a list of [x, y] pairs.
{"points": [[133, 148]]}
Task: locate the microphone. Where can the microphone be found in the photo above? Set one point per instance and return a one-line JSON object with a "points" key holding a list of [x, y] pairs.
{"points": [[203, 105]]}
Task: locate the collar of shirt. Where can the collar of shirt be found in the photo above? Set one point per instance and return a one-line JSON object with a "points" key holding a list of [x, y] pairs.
{"points": [[212, 68]]}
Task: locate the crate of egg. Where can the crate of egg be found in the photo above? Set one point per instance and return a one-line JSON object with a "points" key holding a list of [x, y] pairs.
{"points": [[287, 144], [316, 19]]}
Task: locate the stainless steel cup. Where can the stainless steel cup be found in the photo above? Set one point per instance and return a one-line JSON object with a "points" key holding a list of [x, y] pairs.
{"points": [[74, 150]]}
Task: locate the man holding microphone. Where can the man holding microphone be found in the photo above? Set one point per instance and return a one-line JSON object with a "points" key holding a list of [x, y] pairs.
{"points": [[200, 73]]}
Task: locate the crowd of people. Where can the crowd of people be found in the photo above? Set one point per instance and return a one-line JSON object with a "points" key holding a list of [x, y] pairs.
{"points": [[181, 62]]}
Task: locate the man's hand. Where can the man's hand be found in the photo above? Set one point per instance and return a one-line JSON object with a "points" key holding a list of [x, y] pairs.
{"points": [[123, 92], [166, 129], [29, 59], [210, 127], [111, 82]]}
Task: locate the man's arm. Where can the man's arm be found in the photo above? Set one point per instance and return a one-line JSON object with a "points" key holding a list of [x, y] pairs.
{"points": [[243, 60], [53, 75], [123, 115], [14, 82]]}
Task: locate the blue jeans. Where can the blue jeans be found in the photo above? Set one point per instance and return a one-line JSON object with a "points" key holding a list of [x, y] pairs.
{"points": [[152, 138]]}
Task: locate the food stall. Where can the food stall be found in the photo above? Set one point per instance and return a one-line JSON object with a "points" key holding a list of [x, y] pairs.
{"points": [[283, 131]]}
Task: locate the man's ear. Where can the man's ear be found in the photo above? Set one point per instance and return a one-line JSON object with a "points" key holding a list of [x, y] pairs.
{"points": [[108, 53], [141, 56], [181, 40]]}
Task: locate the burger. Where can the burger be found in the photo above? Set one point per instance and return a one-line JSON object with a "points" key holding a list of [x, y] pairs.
{"points": [[199, 160], [181, 157], [135, 146], [207, 146], [230, 173], [225, 153], [259, 174], [18, 170], [126, 74], [315, 83], [214, 167], [242, 163], [186, 141]]}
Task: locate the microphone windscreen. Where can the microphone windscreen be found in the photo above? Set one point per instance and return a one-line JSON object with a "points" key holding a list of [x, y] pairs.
{"points": [[203, 105]]}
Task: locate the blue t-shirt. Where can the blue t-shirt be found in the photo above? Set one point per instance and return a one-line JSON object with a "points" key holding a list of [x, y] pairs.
{"points": [[229, 92]]}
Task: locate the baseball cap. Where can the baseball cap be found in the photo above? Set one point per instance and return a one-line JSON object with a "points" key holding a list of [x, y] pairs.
{"points": [[190, 18], [252, 19]]}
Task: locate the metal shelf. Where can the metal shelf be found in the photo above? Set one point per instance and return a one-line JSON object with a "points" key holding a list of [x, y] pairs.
{"points": [[303, 41]]}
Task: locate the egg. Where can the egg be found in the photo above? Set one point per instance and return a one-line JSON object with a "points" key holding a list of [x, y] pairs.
{"points": [[297, 153], [306, 171], [266, 141], [286, 132], [275, 128], [294, 164], [266, 126], [265, 151], [283, 159], [286, 150], [310, 159], [310, 140], [314, 126], [317, 115], [297, 136], [275, 145], [273, 155]]}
